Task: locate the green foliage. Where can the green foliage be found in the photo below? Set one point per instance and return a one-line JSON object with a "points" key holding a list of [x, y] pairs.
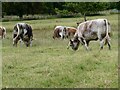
{"points": [[63, 13], [86, 7], [63, 8]]}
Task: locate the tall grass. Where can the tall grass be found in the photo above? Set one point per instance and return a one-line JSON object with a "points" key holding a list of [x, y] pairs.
{"points": [[49, 64]]}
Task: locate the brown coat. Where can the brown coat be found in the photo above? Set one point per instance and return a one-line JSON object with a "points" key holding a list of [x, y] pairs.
{"points": [[71, 31]]}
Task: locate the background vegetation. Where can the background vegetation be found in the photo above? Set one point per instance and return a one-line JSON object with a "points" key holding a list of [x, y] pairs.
{"points": [[60, 9]]}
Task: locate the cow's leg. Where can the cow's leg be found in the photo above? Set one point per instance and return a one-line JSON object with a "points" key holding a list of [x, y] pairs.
{"points": [[69, 44], [109, 45], [15, 41], [62, 37], [101, 44], [81, 40], [30, 43], [101, 39], [85, 44], [108, 42]]}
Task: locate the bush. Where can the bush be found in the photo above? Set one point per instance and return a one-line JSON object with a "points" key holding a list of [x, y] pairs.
{"points": [[64, 13]]}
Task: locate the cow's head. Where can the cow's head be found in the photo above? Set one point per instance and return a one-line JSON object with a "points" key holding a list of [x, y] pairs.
{"points": [[15, 40], [27, 40], [74, 43]]}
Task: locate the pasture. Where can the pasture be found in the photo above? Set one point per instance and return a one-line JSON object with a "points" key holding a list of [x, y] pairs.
{"points": [[48, 63]]}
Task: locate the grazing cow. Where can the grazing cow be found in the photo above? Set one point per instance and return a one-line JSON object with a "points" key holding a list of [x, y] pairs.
{"points": [[2, 32], [63, 32], [59, 32], [22, 32], [91, 30]]}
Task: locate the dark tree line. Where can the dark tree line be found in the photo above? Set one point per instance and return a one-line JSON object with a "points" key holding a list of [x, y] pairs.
{"points": [[56, 8]]}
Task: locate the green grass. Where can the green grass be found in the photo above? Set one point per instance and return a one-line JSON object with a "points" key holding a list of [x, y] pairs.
{"points": [[48, 63]]}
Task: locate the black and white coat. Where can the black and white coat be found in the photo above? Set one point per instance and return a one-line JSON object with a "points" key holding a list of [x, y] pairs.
{"points": [[22, 32]]}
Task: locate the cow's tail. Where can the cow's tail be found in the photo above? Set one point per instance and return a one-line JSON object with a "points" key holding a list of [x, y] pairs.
{"points": [[107, 31], [4, 30], [18, 31]]}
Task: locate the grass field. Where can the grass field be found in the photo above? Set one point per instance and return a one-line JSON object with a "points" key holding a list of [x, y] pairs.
{"points": [[48, 63]]}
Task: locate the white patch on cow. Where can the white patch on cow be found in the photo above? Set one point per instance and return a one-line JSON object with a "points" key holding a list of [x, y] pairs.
{"points": [[62, 31], [25, 31], [30, 43], [61, 34]]}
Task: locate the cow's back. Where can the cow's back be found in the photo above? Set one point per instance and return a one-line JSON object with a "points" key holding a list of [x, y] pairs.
{"points": [[59, 27], [71, 30], [93, 29], [92, 25]]}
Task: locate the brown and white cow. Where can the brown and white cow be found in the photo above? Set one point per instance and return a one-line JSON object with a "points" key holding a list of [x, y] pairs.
{"points": [[22, 32], [2, 32], [63, 32], [91, 30], [59, 32]]}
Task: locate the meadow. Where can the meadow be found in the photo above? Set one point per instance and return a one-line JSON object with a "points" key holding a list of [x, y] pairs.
{"points": [[49, 64]]}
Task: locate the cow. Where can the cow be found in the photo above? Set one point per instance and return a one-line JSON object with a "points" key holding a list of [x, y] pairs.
{"points": [[22, 32], [59, 32], [2, 32], [91, 30], [63, 32]]}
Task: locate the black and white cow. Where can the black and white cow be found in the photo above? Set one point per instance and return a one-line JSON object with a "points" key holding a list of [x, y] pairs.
{"points": [[91, 30], [22, 32]]}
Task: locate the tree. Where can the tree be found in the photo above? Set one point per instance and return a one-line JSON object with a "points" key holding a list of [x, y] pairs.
{"points": [[14, 8], [86, 8], [51, 8]]}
